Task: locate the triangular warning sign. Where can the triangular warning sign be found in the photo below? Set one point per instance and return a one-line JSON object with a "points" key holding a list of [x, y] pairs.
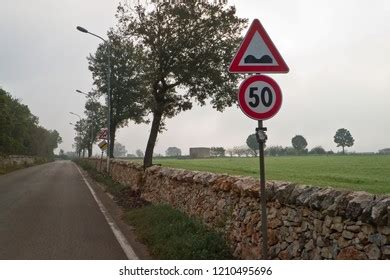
{"points": [[257, 53]]}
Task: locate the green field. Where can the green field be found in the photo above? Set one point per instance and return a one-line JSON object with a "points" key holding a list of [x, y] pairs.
{"points": [[355, 172]]}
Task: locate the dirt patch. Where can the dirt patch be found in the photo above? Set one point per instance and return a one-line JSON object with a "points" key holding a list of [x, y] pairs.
{"points": [[130, 199]]}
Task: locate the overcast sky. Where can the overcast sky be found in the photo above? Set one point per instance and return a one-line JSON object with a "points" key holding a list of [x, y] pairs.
{"points": [[338, 53]]}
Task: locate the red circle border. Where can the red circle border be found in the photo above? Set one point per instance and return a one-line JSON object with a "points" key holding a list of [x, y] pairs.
{"points": [[247, 111]]}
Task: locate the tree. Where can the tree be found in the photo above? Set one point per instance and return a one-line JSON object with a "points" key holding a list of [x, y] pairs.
{"points": [[343, 138], [317, 151], [385, 151], [119, 150], [239, 150], [252, 143], [127, 88], [82, 137], [187, 46], [230, 152], [139, 153], [20, 132], [290, 151], [275, 151], [173, 152], [217, 152], [96, 119], [299, 143]]}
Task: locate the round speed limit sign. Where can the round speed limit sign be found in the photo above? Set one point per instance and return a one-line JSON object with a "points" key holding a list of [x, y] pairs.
{"points": [[260, 97]]}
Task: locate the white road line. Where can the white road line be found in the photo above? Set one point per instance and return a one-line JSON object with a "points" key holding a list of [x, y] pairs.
{"points": [[118, 234]]}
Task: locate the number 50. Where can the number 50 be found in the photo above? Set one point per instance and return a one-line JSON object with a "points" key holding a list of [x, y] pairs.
{"points": [[265, 91]]}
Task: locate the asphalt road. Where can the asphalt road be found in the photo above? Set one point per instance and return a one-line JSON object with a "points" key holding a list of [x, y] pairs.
{"points": [[47, 212]]}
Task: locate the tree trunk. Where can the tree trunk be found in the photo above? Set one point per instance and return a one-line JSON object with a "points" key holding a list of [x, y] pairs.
{"points": [[343, 150], [90, 150], [148, 159], [112, 140]]}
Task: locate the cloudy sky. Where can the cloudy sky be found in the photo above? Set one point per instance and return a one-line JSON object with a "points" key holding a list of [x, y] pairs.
{"points": [[338, 53]]}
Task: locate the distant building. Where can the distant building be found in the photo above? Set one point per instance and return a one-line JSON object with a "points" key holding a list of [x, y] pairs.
{"points": [[200, 152]]}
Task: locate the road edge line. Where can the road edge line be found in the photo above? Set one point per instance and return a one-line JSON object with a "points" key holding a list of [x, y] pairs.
{"points": [[125, 245]]}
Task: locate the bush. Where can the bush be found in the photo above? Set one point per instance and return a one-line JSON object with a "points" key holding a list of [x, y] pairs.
{"points": [[317, 151]]}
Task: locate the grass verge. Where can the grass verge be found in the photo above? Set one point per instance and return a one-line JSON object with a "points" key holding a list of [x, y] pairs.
{"points": [[172, 235], [111, 186], [168, 233]]}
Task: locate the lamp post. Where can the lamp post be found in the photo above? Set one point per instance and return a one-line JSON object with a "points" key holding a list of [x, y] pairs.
{"points": [[80, 124], [107, 42]]}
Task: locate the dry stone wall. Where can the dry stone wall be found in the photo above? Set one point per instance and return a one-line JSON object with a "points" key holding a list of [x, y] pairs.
{"points": [[304, 222], [16, 161]]}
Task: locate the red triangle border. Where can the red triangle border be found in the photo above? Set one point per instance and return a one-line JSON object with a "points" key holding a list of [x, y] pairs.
{"points": [[235, 66]]}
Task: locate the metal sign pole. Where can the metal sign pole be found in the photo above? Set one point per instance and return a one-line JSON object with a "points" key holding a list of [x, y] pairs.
{"points": [[101, 159], [262, 138], [109, 106]]}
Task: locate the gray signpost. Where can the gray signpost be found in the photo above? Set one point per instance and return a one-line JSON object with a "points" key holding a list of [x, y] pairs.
{"points": [[260, 97]]}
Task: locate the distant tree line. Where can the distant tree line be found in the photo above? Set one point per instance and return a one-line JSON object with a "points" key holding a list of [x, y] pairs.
{"points": [[20, 132], [342, 138]]}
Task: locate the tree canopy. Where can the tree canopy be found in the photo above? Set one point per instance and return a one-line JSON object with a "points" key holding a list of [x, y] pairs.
{"points": [[128, 98], [299, 143], [187, 49], [20, 132], [343, 138], [252, 143], [173, 152], [119, 150]]}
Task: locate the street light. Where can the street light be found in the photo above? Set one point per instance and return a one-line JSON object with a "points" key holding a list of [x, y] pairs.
{"points": [[79, 91], [82, 29], [76, 130], [75, 115]]}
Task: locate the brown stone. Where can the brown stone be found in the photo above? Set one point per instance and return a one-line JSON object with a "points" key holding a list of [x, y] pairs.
{"points": [[384, 230], [326, 253], [309, 245], [377, 239], [373, 252], [386, 250], [337, 227], [350, 253], [274, 223], [273, 237], [304, 226], [337, 219], [328, 221], [293, 249], [342, 242], [317, 225], [367, 229], [320, 242], [283, 255], [347, 234], [353, 228]]}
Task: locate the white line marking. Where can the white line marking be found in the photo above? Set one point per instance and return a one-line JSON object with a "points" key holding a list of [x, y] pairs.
{"points": [[118, 234]]}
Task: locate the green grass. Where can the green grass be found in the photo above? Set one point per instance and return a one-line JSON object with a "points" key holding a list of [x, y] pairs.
{"points": [[369, 173], [111, 186], [168, 233], [172, 235]]}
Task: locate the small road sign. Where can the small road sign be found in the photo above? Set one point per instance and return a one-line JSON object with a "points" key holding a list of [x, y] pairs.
{"points": [[103, 133], [257, 53], [103, 145], [260, 97]]}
